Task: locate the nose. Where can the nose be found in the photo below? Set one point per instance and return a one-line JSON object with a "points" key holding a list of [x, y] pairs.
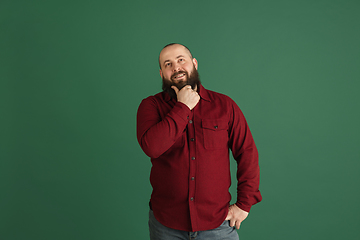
{"points": [[176, 67]]}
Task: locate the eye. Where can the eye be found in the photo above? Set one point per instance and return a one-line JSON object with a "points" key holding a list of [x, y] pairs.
{"points": [[167, 64]]}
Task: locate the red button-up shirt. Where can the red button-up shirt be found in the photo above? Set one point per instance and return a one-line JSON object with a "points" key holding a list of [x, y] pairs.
{"points": [[189, 151]]}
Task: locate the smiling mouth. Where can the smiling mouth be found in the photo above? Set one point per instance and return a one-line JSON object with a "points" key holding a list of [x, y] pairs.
{"points": [[179, 76]]}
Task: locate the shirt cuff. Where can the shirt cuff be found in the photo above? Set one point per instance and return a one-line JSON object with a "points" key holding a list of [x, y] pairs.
{"points": [[181, 110], [243, 207]]}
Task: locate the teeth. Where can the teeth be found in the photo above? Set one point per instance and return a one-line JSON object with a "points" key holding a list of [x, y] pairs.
{"points": [[180, 75]]}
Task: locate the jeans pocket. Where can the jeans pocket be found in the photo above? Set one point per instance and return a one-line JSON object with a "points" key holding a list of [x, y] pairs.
{"points": [[226, 224]]}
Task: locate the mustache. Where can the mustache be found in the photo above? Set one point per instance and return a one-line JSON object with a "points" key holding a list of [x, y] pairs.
{"points": [[179, 72]]}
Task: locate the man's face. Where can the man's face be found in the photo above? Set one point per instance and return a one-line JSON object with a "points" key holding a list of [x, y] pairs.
{"points": [[177, 65]]}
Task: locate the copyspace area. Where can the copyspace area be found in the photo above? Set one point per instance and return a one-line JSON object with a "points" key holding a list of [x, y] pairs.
{"points": [[72, 74]]}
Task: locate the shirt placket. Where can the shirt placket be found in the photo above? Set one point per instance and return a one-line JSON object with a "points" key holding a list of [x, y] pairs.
{"points": [[192, 170]]}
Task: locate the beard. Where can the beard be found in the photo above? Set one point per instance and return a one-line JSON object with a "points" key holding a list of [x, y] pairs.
{"points": [[193, 80]]}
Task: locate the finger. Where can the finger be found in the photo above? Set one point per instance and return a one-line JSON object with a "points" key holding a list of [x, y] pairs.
{"points": [[238, 224], [175, 89], [187, 87], [232, 222]]}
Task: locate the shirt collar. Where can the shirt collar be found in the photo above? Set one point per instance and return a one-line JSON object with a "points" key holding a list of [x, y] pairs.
{"points": [[202, 92]]}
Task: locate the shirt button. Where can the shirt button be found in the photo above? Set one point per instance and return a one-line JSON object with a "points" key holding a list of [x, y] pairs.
{"points": [[215, 127], [191, 199], [190, 121], [192, 139], [192, 178], [193, 158]]}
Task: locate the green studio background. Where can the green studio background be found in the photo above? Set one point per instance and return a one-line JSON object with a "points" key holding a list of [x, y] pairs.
{"points": [[72, 74]]}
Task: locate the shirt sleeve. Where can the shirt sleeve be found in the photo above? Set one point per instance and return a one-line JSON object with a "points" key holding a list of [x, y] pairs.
{"points": [[245, 153], [156, 134]]}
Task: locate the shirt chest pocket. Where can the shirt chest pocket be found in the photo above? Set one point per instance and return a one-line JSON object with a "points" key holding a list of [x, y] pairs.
{"points": [[215, 133]]}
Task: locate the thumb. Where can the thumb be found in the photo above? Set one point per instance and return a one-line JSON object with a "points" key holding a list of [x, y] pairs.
{"points": [[175, 89], [229, 216]]}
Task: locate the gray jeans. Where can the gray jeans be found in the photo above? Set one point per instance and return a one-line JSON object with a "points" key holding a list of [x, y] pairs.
{"points": [[160, 232]]}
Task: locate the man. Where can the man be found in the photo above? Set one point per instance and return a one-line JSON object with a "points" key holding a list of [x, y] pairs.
{"points": [[187, 132]]}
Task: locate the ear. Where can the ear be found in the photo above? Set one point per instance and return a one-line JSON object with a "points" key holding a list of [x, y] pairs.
{"points": [[160, 73], [195, 63]]}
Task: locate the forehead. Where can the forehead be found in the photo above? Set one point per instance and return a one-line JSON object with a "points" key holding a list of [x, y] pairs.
{"points": [[172, 52]]}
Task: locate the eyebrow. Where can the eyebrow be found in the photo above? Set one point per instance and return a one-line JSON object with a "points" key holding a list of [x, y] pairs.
{"points": [[175, 58]]}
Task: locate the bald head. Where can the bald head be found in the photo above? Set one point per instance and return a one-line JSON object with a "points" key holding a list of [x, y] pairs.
{"points": [[170, 48]]}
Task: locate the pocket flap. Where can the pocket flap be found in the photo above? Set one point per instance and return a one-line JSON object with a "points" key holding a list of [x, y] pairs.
{"points": [[214, 124]]}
